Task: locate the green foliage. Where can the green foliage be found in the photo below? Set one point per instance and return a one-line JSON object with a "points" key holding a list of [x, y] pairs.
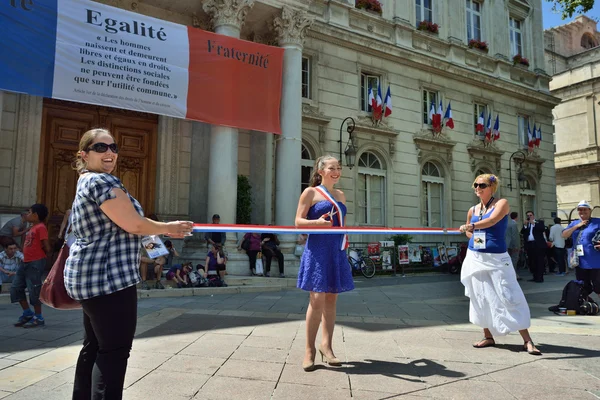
{"points": [[244, 200], [400, 239], [569, 7]]}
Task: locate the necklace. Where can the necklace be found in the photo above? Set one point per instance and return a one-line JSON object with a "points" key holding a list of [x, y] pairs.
{"points": [[481, 208]]}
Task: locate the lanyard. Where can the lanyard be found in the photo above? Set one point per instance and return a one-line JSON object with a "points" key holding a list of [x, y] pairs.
{"points": [[486, 208]]}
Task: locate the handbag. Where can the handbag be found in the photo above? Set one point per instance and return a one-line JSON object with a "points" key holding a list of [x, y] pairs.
{"points": [[245, 244], [573, 257], [259, 264], [53, 292]]}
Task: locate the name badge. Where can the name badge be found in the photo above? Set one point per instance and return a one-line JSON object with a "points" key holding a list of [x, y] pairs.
{"points": [[479, 240], [580, 250]]}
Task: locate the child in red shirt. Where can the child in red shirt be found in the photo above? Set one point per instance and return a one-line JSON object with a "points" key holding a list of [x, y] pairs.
{"points": [[35, 248]]}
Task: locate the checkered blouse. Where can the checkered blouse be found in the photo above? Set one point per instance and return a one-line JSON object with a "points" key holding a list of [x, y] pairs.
{"points": [[104, 258]]}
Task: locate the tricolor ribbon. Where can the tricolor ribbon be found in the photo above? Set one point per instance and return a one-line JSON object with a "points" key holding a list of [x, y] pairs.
{"points": [[331, 230], [325, 193]]}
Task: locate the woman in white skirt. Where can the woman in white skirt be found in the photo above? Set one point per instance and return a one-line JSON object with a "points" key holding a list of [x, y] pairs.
{"points": [[497, 301]]}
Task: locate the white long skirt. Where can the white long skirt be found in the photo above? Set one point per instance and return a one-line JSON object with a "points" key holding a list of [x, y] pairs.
{"points": [[497, 301]]}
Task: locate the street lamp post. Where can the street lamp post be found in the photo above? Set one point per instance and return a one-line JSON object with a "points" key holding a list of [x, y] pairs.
{"points": [[519, 162], [351, 149]]}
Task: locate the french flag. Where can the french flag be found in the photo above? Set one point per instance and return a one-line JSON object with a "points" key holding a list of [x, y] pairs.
{"points": [[480, 122], [448, 117], [388, 103], [530, 138], [436, 121], [496, 130], [488, 128], [379, 99], [538, 136], [372, 101], [431, 112]]}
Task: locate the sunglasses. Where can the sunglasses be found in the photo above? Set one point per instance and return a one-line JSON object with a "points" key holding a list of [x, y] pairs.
{"points": [[582, 209], [480, 185], [103, 147]]}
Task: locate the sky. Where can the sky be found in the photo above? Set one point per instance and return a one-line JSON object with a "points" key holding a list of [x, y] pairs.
{"points": [[552, 19]]}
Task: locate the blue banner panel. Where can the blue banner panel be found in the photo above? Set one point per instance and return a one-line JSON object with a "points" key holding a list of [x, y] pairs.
{"points": [[27, 48]]}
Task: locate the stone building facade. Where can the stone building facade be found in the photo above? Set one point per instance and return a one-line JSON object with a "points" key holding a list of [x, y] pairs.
{"points": [[573, 58], [404, 174]]}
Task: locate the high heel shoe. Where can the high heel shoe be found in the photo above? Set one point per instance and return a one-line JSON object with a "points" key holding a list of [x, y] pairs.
{"points": [[308, 366], [333, 361]]}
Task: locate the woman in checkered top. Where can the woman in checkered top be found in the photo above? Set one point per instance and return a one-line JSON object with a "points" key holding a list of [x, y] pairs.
{"points": [[102, 269]]}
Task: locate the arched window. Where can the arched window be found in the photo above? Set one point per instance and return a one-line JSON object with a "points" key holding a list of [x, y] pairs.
{"points": [[306, 165], [432, 195], [370, 190], [588, 41], [528, 196]]}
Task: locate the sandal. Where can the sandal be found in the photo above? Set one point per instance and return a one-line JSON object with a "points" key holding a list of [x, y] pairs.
{"points": [[487, 343], [534, 352]]}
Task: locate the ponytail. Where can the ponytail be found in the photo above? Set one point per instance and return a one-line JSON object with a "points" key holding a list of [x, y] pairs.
{"points": [[316, 179]]}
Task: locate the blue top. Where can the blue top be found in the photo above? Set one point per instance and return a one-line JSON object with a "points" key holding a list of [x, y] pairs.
{"points": [[591, 256], [324, 266], [495, 236]]}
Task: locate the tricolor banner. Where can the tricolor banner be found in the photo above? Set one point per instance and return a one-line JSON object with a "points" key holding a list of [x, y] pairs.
{"points": [[87, 52]]}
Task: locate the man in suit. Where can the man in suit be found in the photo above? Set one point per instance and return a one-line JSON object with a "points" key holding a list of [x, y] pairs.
{"points": [[513, 241], [535, 246]]}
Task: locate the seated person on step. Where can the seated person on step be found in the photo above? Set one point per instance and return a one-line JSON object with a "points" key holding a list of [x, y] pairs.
{"points": [[10, 260], [216, 262], [270, 249], [179, 273], [155, 266]]}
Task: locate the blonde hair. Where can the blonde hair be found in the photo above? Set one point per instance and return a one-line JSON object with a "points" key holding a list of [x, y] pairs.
{"points": [[86, 140], [316, 179], [491, 179]]}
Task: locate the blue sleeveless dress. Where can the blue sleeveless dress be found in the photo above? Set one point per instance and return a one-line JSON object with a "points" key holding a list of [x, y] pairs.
{"points": [[324, 266]]}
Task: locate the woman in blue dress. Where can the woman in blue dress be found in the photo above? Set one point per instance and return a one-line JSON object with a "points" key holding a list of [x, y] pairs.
{"points": [[324, 268]]}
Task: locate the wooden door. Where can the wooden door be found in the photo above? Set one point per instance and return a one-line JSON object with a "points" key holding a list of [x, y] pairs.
{"points": [[63, 124]]}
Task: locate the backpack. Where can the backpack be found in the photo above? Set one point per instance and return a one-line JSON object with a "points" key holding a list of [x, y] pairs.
{"points": [[214, 281], [575, 298]]}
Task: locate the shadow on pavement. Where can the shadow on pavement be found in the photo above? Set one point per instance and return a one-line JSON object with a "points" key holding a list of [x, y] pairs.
{"points": [[416, 368]]}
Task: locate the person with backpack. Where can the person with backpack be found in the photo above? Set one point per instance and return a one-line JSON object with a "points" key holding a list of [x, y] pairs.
{"points": [[586, 248], [497, 303]]}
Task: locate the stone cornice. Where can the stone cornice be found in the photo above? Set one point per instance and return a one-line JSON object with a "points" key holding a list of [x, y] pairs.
{"points": [[405, 56], [291, 26], [476, 147], [228, 12], [427, 138], [578, 152], [365, 125], [592, 166], [312, 114]]}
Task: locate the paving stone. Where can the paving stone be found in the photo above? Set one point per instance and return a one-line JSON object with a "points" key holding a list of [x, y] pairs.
{"points": [[55, 360], [17, 378], [192, 364], [227, 388], [322, 376], [265, 371], [469, 389], [167, 385], [260, 354], [290, 391], [138, 359]]}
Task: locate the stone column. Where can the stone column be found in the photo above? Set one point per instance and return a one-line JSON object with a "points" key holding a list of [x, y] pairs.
{"points": [[29, 126], [290, 27], [228, 17]]}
